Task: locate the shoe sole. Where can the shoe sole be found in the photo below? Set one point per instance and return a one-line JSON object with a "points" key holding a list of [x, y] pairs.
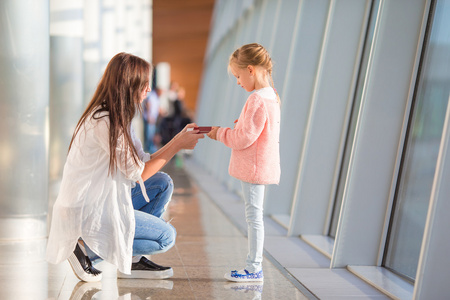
{"points": [[79, 271], [147, 274], [233, 279]]}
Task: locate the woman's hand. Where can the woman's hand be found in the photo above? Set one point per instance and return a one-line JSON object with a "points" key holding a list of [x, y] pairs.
{"points": [[213, 133], [185, 139], [188, 138]]}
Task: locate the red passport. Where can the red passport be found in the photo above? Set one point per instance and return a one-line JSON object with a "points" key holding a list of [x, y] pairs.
{"points": [[203, 129]]}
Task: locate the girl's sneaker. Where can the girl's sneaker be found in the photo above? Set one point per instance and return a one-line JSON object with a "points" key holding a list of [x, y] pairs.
{"points": [[244, 276]]}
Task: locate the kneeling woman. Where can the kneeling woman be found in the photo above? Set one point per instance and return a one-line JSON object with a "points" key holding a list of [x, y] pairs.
{"points": [[112, 194]]}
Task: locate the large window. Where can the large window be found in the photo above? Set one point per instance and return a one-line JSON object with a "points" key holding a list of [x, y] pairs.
{"points": [[422, 147], [353, 119]]}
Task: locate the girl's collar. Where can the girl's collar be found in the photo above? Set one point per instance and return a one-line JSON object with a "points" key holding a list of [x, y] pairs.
{"points": [[267, 92], [262, 89]]}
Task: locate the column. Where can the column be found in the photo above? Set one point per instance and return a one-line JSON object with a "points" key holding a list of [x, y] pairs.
{"points": [[66, 83], [24, 100]]}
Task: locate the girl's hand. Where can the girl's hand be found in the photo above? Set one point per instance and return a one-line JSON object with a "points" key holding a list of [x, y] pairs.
{"points": [[213, 133]]}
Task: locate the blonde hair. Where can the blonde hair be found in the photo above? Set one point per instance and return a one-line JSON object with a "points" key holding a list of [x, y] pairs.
{"points": [[253, 55]]}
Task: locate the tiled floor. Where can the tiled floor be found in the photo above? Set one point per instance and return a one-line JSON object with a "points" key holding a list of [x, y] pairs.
{"points": [[208, 245], [306, 266]]}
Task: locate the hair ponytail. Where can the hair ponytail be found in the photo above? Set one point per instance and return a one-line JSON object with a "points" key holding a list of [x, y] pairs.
{"points": [[273, 86]]}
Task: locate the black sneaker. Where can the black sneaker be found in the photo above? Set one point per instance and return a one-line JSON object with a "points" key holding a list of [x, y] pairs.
{"points": [[146, 269], [82, 267]]}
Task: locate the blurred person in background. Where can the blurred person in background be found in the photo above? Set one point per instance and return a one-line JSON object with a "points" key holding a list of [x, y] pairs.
{"points": [[151, 107], [171, 124]]}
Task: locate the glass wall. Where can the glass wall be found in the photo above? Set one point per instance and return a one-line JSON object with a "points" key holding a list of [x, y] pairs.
{"points": [[353, 119], [422, 148], [295, 85]]}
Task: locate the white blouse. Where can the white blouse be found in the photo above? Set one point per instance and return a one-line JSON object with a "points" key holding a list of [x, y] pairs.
{"points": [[93, 204]]}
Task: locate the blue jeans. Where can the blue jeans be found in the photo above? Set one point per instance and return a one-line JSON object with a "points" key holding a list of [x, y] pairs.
{"points": [[254, 200], [152, 234]]}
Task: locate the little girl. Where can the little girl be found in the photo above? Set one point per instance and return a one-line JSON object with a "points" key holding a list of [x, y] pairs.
{"points": [[255, 158]]}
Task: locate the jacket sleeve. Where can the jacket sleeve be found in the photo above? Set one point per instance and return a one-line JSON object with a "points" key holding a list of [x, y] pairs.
{"points": [[250, 125]]}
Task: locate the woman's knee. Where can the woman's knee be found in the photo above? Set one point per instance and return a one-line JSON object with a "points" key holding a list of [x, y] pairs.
{"points": [[168, 238], [160, 179]]}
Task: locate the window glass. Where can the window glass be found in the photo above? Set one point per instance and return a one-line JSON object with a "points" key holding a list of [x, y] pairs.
{"points": [[422, 147], [353, 119]]}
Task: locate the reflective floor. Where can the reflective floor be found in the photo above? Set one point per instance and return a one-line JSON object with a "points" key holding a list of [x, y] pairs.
{"points": [[207, 246]]}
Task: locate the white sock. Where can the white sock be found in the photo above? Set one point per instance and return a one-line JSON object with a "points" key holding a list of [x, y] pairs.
{"points": [[136, 258]]}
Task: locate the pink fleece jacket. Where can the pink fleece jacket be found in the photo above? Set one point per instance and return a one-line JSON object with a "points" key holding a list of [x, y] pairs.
{"points": [[255, 155]]}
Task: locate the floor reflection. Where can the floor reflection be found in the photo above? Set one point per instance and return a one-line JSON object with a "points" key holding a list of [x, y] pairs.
{"points": [[142, 288], [253, 289], [208, 245], [23, 270], [86, 290]]}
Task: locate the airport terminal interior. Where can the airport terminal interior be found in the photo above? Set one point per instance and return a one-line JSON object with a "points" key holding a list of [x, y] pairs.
{"points": [[361, 209]]}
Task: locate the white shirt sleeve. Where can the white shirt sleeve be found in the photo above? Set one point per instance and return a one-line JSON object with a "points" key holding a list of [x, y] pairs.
{"points": [[138, 146]]}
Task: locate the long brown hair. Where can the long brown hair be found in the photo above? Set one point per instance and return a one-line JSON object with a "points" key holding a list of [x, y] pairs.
{"points": [[118, 94]]}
